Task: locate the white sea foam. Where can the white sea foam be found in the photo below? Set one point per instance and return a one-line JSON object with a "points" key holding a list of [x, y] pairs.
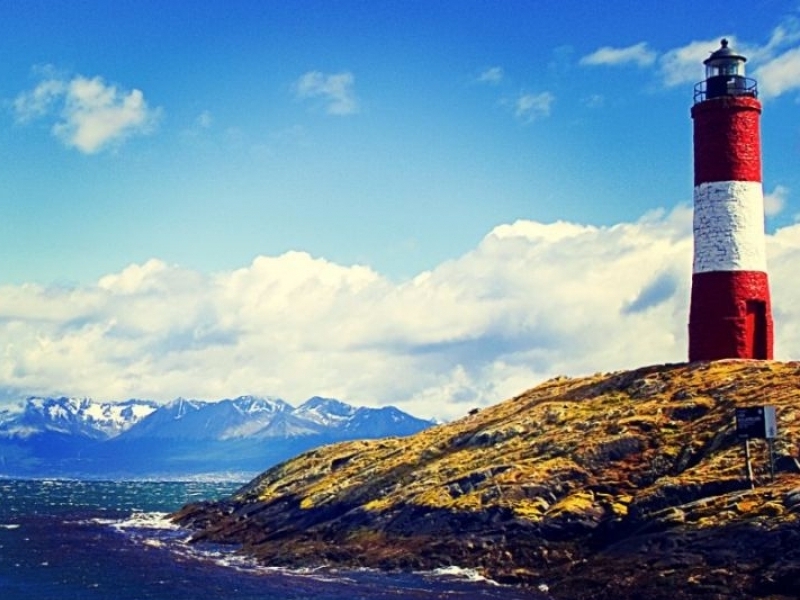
{"points": [[155, 530], [9, 526], [145, 520], [228, 557], [320, 573], [461, 573]]}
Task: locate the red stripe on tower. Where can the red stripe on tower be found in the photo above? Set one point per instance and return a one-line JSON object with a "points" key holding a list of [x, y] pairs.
{"points": [[730, 314]]}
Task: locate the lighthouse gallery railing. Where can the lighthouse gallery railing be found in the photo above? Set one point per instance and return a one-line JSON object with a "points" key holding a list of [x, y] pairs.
{"points": [[715, 87]]}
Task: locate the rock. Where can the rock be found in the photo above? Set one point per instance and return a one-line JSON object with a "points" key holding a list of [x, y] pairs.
{"points": [[791, 499], [622, 485], [646, 388], [689, 412]]}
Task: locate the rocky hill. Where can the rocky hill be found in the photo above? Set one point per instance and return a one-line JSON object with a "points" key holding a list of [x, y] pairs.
{"points": [[621, 485]]}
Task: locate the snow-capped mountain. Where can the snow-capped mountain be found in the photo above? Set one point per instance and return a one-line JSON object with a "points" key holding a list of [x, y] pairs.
{"points": [[382, 422], [326, 412], [73, 416], [193, 420], [263, 418], [79, 436]]}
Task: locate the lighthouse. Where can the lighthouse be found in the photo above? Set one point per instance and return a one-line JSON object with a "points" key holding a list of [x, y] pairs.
{"points": [[730, 315]]}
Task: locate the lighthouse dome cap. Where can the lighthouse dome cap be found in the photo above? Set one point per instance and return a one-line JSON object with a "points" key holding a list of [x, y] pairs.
{"points": [[724, 53]]}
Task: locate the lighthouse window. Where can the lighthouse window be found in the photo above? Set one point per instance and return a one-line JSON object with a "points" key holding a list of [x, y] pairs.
{"points": [[724, 69]]}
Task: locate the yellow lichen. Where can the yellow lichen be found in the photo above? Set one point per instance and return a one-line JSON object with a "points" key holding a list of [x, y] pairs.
{"points": [[576, 503], [378, 504], [436, 497], [468, 502], [619, 509], [532, 509], [747, 506]]}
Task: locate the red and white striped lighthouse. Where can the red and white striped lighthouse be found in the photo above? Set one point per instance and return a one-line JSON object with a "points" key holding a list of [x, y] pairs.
{"points": [[730, 314]]}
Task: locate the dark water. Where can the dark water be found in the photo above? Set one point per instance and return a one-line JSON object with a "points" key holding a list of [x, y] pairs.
{"points": [[109, 540]]}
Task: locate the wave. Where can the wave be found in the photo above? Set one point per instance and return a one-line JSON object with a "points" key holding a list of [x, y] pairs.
{"points": [[454, 572], [159, 521], [155, 532]]}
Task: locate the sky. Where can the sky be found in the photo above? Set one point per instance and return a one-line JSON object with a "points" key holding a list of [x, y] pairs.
{"points": [[435, 205]]}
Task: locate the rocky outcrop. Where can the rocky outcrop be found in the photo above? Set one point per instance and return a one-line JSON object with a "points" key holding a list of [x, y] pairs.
{"points": [[622, 485]]}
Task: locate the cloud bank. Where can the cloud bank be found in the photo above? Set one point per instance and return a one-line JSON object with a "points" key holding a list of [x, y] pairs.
{"points": [[531, 301], [89, 114]]}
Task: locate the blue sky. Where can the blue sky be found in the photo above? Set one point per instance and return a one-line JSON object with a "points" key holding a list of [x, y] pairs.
{"points": [[152, 150]]}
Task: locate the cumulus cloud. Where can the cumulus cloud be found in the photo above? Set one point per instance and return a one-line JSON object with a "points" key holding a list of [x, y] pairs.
{"points": [[335, 90], [530, 107], [775, 200], [660, 289], [39, 101], [675, 67], [777, 61], [684, 65], [90, 114], [638, 54], [531, 301], [779, 74]]}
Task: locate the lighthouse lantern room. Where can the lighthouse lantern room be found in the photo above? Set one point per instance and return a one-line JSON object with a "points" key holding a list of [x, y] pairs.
{"points": [[730, 314], [725, 75]]}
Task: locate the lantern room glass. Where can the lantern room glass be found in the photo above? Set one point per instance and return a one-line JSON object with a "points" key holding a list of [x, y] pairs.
{"points": [[725, 66]]}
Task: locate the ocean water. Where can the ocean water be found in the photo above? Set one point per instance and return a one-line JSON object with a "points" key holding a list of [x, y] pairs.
{"points": [[88, 540]]}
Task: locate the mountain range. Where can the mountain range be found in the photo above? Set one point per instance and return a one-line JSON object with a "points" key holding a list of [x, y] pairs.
{"points": [[81, 437]]}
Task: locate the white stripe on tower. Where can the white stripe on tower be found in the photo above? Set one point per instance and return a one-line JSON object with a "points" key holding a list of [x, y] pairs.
{"points": [[729, 227]]}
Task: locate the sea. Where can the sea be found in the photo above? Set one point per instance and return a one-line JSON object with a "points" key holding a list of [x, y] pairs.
{"points": [[92, 540]]}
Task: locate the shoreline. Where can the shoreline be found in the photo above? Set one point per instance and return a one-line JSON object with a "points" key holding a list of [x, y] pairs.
{"points": [[666, 559], [621, 485]]}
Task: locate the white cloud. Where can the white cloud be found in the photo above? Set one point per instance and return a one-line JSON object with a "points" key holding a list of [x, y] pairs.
{"points": [[775, 200], [492, 75], [786, 33], [335, 90], [684, 65], [531, 301], [638, 54], [90, 115], [776, 63], [39, 101], [779, 75], [529, 107]]}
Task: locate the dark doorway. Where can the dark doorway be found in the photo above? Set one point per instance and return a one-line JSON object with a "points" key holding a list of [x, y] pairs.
{"points": [[756, 329]]}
